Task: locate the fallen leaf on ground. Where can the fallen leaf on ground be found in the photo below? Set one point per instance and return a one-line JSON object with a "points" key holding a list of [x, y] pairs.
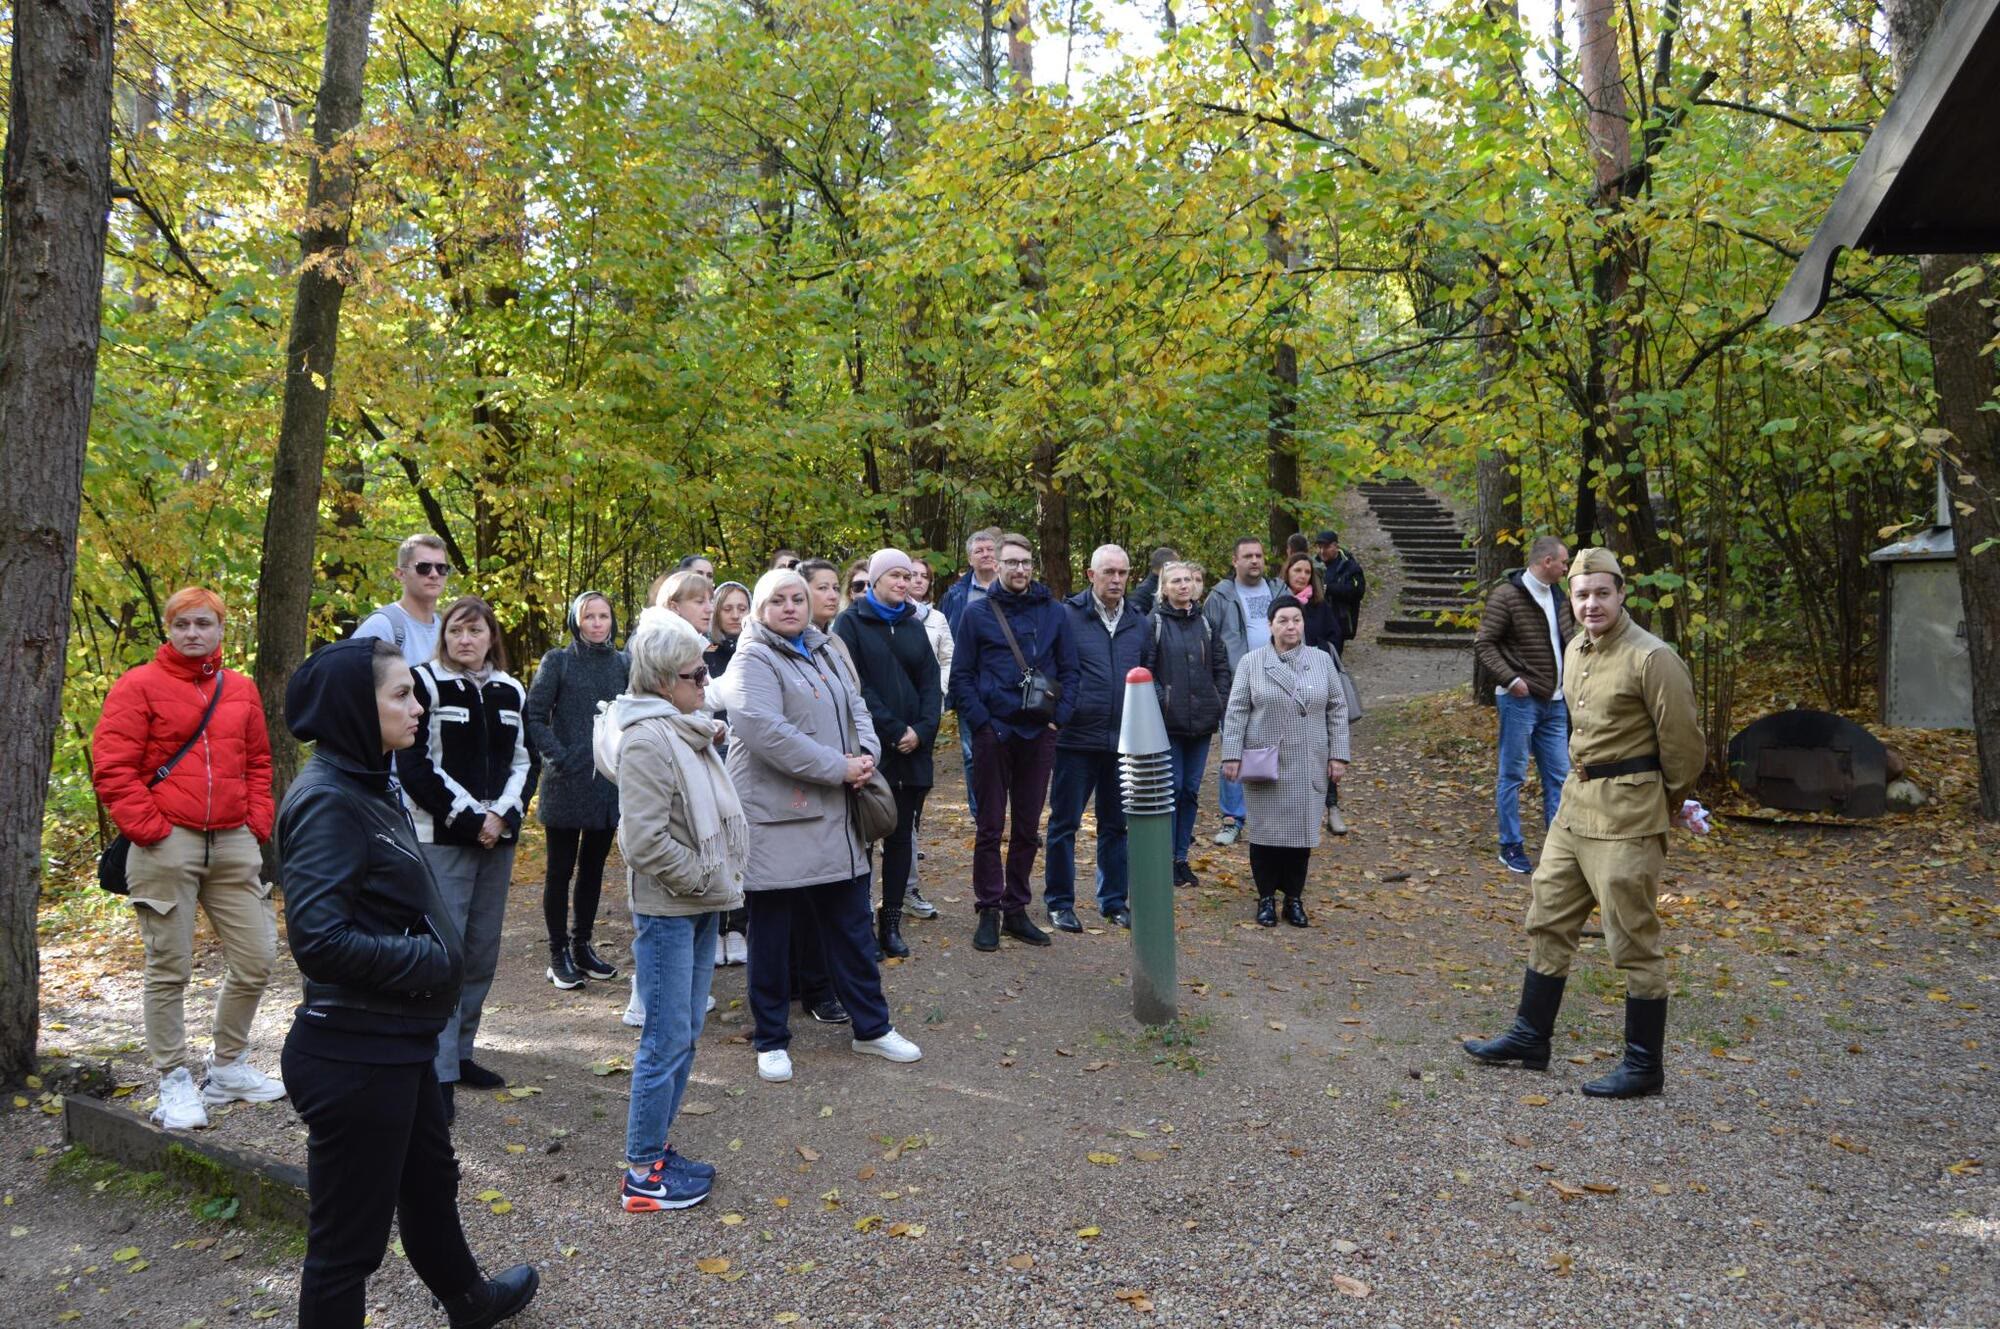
{"points": [[808, 1153], [712, 1264], [1103, 1159], [1352, 1287], [1535, 1100], [1147, 1155], [732, 1220], [1088, 1232], [1022, 1262]]}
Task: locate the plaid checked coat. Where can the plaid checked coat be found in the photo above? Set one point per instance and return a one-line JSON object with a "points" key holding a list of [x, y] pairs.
{"points": [[1302, 709]]}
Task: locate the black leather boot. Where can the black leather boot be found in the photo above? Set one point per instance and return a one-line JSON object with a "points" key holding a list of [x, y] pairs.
{"points": [[1528, 1040], [889, 934], [986, 936], [1016, 924], [1295, 912], [492, 1300], [1267, 911], [1643, 1071]]}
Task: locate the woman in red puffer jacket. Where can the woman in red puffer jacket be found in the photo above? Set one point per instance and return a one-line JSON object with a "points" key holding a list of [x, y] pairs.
{"points": [[195, 838]]}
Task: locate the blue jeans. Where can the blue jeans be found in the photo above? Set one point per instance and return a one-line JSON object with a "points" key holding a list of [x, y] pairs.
{"points": [[1190, 758], [1229, 793], [1528, 723], [1080, 775], [672, 960], [965, 752]]}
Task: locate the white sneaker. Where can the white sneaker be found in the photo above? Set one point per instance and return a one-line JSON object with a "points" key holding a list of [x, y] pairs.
{"points": [[736, 948], [1336, 823], [891, 1046], [721, 951], [711, 1004], [635, 1011], [180, 1106], [1230, 830], [775, 1065], [239, 1081]]}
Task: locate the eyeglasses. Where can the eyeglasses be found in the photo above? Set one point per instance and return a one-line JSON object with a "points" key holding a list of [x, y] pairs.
{"points": [[1017, 562], [700, 675], [432, 569]]}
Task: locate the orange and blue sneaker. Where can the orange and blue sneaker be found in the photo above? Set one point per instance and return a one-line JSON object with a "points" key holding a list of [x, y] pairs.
{"points": [[662, 1187]]}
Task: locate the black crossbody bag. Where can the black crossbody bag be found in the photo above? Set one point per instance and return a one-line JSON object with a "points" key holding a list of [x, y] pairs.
{"points": [[111, 863], [1039, 692]]}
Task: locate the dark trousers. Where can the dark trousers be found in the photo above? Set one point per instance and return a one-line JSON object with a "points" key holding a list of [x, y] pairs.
{"points": [[810, 984], [836, 913], [1279, 869], [377, 1148], [1013, 776], [584, 853], [1081, 776], [899, 851]]}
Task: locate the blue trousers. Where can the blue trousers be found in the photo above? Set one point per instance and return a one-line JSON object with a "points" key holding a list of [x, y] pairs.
{"points": [[672, 962], [838, 911], [1229, 793], [1190, 760], [1081, 775], [965, 752], [1528, 724]]}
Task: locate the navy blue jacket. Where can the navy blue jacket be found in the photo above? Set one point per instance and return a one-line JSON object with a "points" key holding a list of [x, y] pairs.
{"points": [[1102, 661], [955, 600], [985, 681]]}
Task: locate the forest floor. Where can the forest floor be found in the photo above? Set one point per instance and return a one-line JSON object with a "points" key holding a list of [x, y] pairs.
{"points": [[1307, 1146]]}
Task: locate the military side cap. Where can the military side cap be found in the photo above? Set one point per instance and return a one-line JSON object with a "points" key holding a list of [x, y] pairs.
{"points": [[1595, 559]]}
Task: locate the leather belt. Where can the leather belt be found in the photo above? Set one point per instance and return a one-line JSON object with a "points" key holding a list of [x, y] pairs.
{"points": [[1629, 766]]}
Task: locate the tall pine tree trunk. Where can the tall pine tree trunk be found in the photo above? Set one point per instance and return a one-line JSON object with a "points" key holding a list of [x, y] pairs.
{"points": [[1958, 327], [1281, 444], [57, 183], [291, 522], [1051, 503]]}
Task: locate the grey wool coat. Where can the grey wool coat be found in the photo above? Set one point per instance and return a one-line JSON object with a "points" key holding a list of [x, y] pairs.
{"points": [[1302, 709], [560, 710], [789, 718]]}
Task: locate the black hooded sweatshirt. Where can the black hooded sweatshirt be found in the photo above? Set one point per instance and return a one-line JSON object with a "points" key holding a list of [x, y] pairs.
{"points": [[381, 957]]}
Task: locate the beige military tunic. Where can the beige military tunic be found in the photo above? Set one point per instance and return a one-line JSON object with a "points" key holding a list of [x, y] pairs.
{"points": [[1630, 696]]}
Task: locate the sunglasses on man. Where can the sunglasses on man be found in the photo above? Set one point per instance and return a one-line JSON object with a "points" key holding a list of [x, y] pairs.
{"points": [[432, 569]]}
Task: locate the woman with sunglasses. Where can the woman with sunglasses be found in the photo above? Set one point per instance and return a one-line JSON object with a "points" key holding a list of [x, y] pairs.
{"points": [[682, 833]]}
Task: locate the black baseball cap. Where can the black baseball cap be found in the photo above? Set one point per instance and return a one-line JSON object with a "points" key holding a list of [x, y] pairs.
{"points": [[1328, 538]]}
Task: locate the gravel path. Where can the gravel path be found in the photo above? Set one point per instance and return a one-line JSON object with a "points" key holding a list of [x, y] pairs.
{"points": [[1310, 1148]]}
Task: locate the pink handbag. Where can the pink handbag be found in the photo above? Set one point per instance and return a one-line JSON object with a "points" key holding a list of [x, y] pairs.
{"points": [[1260, 766]]}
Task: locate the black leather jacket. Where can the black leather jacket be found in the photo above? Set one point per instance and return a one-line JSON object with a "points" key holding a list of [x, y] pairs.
{"points": [[363, 914]]}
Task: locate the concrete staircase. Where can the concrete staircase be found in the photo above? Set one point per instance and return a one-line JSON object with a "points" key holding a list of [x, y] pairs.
{"points": [[1437, 565]]}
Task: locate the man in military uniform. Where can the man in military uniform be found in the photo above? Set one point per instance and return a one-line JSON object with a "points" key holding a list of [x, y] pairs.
{"points": [[1635, 751]]}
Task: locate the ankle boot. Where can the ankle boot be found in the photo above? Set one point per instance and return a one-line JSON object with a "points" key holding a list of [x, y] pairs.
{"points": [[889, 934], [1528, 1040], [1267, 911], [562, 969], [1295, 912], [492, 1300], [986, 936], [1643, 1071]]}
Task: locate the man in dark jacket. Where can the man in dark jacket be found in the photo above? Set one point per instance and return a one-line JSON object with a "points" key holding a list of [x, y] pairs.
{"points": [[1346, 585], [1012, 637], [981, 578], [899, 681], [1518, 652], [1111, 638]]}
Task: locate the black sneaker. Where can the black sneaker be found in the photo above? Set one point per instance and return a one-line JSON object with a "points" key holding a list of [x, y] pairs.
{"points": [[829, 1011], [1064, 920], [586, 959], [986, 937], [562, 970], [1184, 875], [1016, 924], [474, 1076], [916, 906]]}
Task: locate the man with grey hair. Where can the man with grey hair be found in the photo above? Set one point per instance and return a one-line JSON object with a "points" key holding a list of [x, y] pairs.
{"points": [[411, 622], [1111, 638], [1519, 654], [982, 554]]}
